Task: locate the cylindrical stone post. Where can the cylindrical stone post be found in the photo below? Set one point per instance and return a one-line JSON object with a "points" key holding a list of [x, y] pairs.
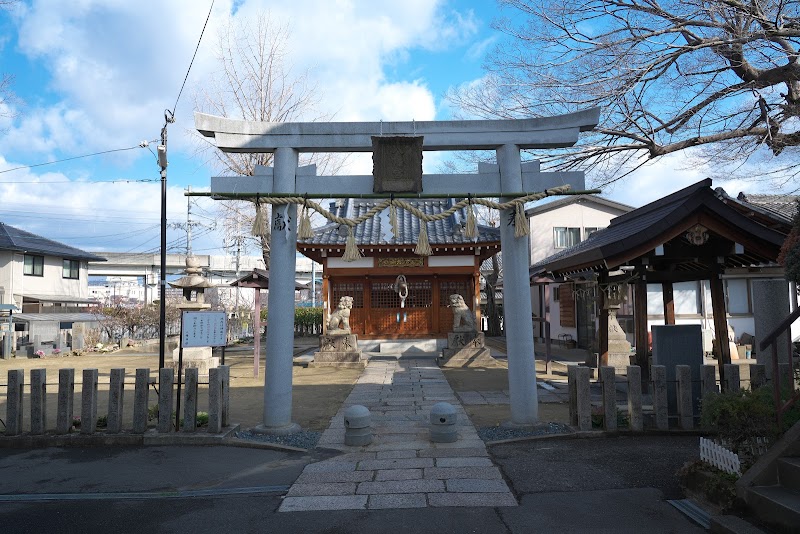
{"points": [[583, 397], [635, 421], [758, 375], [709, 380], [280, 334], [357, 422], [141, 397], [683, 377], [732, 378], [660, 406], [16, 382], [516, 298], [66, 395], [166, 378], [225, 382], [190, 400], [116, 394], [89, 401], [609, 379], [214, 400], [572, 389], [38, 401], [443, 419]]}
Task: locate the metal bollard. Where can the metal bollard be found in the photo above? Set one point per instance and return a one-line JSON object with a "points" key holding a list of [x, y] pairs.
{"points": [[357, 421], [443, 423]]}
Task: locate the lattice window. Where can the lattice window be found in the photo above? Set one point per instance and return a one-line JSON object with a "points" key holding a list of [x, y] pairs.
{"points": [[348, 289], [420, 294], [383, 295], [452, 287]]}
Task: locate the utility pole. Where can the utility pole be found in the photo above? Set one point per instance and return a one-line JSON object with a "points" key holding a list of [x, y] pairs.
{"points": [[188, 222], [162, 283]]}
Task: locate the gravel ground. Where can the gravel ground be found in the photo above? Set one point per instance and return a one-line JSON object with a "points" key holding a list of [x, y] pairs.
{"points": [[497, 433], [305, 439]]}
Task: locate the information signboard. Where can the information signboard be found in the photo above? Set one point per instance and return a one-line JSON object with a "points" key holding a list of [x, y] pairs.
{"points": [[204, 329]]}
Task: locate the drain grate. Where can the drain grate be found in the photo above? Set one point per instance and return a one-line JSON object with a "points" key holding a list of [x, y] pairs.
{"points": [[690, 509]]}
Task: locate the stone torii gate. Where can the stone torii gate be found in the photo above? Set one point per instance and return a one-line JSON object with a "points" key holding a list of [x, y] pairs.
{"points": [[507, 179]]}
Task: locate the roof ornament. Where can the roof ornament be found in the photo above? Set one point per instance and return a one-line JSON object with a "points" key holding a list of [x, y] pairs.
{"points": [[697, 235]]}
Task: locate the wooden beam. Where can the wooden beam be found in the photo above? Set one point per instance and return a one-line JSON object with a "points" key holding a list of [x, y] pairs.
{"points": [[720, 325], [677, 276], [669, 302], [640, 325]]}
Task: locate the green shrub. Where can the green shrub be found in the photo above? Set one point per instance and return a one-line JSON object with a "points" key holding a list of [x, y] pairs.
{"points": [[202, 419], [306, 320], [102, 421]]}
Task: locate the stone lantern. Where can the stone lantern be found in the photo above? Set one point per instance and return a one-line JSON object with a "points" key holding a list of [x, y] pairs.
{"points": [[193, 285], [619, 348]]}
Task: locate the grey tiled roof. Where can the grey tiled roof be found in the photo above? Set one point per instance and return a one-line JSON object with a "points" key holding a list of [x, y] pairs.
{"points": [[15, 239], [377, 231], [784, 205]]}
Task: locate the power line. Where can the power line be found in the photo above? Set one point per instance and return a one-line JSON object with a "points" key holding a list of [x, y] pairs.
{"points": [[141, 145], [193, 56]]}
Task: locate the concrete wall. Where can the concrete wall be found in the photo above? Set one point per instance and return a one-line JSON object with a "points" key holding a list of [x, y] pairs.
{"points": [[52, 283]]}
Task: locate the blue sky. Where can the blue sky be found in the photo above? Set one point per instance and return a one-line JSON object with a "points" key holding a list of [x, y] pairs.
{"points": [[96, 75]]}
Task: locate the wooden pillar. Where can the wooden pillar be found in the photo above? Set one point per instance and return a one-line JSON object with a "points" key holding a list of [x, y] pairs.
{"points": [[603, 326], [326, 298], [669, 303], [720, 324], [257, 333], [476, 293], [435, 303], [640, 325]]}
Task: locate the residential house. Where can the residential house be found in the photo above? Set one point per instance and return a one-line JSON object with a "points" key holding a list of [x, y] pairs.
{"points": [[47, 281]]}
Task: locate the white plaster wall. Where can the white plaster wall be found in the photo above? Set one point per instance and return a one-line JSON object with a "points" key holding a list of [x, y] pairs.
{"points": [[580, 214], [6, 271], [451, 261], [360, 263], [52, 283]]}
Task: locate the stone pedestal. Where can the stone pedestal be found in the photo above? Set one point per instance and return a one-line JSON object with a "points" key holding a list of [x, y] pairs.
{"points": [[339, 350], [619, 348], [199, 358], [466, 349]]}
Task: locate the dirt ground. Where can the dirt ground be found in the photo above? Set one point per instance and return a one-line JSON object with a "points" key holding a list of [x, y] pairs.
{"points": [[317, 393]]}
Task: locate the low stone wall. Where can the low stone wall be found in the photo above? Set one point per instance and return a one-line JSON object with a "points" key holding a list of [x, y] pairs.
{"points": [[580, 403], [218, 401]]}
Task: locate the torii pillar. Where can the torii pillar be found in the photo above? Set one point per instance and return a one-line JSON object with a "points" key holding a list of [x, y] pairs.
{"points": [[508, 179]]}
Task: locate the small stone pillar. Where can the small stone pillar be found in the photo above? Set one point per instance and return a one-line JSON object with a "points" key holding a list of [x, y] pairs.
{"points": [[141, 397], [190, 401], [466, 347], [758, 375], [443, 423], [732, 378], [572, 389], [116, 395], [89, 401], [683, 377], [709, 380], [357, 421], [225, 378], [635, 421], [583, 397], [66, 394], [609, 379], [660, 404], [16, 382], [38, 401], [165, 399], [215, 400], [770, 307]]}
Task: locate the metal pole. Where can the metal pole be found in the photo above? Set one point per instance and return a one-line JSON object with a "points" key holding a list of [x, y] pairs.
{"points": [[162, 283], [180, 368]]}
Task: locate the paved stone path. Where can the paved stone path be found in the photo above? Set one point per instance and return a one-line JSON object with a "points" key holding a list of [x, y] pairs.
{"points": [[401, 468]]}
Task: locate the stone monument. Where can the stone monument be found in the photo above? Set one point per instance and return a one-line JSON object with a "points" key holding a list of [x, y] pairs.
{"points": [[338, 346], [619, 348], [466, 346], [194, 285]]}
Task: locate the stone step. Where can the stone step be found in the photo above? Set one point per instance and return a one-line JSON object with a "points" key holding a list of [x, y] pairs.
{"points": [[775, 505], [789, 472], [404, 346]]}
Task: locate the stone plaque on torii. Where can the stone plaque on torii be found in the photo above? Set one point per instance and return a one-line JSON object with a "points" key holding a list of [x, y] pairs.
{"points": [[507, 179]]}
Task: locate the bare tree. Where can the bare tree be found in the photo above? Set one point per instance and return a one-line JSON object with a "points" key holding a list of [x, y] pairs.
{"points": [[254, 82], [668, 75]]}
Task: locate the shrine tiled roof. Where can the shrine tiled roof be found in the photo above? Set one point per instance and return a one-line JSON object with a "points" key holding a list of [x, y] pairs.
{"points": [[378, 231]]}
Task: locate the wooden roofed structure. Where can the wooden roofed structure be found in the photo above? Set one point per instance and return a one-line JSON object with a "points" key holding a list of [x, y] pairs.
{"points": [[697, 233]]}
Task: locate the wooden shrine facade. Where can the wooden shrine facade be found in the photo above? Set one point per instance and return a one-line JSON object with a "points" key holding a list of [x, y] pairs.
{"points": [[453, 268]]}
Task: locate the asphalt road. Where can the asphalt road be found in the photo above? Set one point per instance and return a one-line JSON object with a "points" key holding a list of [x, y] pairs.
{"points": [[564, 485]]}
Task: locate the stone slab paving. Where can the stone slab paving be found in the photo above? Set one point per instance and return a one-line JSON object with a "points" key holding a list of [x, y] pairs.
{"points": [[548, 393], [401, 468]]}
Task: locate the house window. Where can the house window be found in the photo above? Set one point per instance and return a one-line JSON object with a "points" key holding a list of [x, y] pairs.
{"points": [[738, 296], [33, 265], [72, 269], [566, 237], [589, 230]]}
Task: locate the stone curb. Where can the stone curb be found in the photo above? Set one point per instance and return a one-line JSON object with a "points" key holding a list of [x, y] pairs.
{"points": [[588, 434]]}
